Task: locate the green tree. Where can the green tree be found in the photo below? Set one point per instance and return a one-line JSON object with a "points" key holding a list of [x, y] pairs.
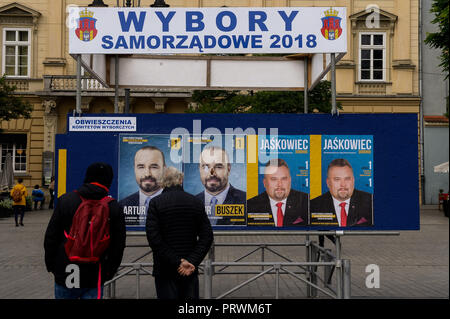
{"points": [[11, 106], [263, 101], [440, 39]]}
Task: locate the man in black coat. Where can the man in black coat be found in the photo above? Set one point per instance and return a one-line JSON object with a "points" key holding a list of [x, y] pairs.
{"points": [[342, 205], [96, 183], [180, 235], [214, 170], [279, 205]]}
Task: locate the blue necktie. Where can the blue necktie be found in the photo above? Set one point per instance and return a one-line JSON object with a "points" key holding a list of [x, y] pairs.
{"points": [[213, 204], [147, 201]]}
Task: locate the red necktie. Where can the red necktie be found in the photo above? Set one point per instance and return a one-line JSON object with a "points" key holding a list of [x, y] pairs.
{"points": [[279, 215], [343, 215]]}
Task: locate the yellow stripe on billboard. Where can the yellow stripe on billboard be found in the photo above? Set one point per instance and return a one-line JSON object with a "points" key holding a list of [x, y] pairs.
{"points": [[316, 165], [62, 171], [252, 166]]}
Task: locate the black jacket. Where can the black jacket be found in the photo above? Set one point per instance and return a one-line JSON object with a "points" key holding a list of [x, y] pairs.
{"points": [[177, 227], [131, 200], [296, 213], [56, 259], [234, 196]]}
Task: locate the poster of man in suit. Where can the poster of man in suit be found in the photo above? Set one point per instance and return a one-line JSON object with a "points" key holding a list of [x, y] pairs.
{"points": [[142, 159], [283, 186], [347, 185], [217, 176]]}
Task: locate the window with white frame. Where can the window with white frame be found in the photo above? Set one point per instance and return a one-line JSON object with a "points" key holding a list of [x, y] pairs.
{"points": [[372, 56], [16, 49], [16, 145]]}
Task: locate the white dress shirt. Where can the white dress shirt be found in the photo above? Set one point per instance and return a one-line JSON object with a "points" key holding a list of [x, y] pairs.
{"points": [[220, 197], [337, 208], [274, 207]]}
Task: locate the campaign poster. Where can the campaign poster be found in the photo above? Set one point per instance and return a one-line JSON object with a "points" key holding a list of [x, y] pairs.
{"points": [[142, 158], [347, 170], [215, 172], [283, 182]]}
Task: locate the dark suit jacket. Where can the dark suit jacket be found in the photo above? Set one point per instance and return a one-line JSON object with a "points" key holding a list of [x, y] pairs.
{"points": [[234, 196], [296, 212], [132, 200], [360, 209]]}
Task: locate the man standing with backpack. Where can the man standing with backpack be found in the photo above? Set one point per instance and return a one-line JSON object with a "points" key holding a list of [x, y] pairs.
{"points": [[87, 215], [19, 195]]}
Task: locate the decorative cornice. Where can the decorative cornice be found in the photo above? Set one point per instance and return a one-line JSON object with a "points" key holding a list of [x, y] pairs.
{"points": [[18, 13]]}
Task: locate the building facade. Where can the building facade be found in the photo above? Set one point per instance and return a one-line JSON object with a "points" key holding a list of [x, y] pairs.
{"points": [[379, 73], [435, 123]]}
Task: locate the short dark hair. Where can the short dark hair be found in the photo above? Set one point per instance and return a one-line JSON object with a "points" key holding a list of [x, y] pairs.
{"points": [[277, 162], [339, 162], [152, 148], [36, 186], [20, 180]]}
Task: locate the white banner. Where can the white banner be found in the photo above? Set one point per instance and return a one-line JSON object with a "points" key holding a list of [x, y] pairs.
{"points": [[102, 124], [207, 30]]}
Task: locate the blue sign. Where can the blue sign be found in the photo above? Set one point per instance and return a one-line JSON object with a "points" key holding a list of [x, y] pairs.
{"points": [[368, 161]]}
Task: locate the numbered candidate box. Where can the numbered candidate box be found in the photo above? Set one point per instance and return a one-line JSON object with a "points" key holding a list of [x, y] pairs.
{"points": [[281, 191], [142, 158], [347, 185], [215, 172]]}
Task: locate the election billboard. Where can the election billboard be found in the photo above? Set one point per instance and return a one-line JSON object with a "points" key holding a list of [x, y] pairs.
{"points": [[223, 30], [215, 172], [283, 177], [345, 189], [142, 158], [258, 171]]}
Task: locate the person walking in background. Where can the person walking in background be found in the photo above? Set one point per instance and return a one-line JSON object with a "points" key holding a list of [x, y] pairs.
{"points": [[19, 195], [180, 234], [92, 272], [38, 197], [51, 190]]}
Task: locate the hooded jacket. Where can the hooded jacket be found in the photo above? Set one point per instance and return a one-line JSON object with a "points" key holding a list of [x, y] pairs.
{"points": [[23, 189], [56, 259]]}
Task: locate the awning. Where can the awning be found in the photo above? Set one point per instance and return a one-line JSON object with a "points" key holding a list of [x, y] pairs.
{"points": [[441, 168]]}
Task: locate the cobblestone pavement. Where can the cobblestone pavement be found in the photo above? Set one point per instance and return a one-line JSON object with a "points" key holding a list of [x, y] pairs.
{"points": [[412, 265]]}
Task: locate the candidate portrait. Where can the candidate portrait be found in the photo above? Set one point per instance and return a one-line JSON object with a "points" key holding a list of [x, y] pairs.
{"points": [[345, 205], [149, 166], [214, 168], [283, 205]]}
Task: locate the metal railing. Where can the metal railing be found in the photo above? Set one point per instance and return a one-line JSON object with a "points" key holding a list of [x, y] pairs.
{"points": [[305, 271], [69, 83]]}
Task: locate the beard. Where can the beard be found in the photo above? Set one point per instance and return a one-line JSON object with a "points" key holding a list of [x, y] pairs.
{"points": [[148, 184], [214, 184], [343, 194], [279, 194]]}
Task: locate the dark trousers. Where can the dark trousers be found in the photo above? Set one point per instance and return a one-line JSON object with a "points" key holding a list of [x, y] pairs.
{"points": [[52, 198], [177, 288], [19, 210], [41, 205]]}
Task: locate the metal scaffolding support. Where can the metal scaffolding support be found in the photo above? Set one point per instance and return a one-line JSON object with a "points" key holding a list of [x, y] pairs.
{"points": [[305, 271]]}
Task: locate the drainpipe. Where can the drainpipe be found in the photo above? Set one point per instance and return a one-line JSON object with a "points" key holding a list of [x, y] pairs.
{"points": [[421, 107]]}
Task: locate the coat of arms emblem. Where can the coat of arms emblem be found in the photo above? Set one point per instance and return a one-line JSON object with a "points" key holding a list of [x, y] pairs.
{"points": [[86, 30], [331, 25]]}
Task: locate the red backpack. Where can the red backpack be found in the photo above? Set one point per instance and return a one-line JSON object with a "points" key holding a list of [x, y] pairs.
{"points": [[89, 234]]}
